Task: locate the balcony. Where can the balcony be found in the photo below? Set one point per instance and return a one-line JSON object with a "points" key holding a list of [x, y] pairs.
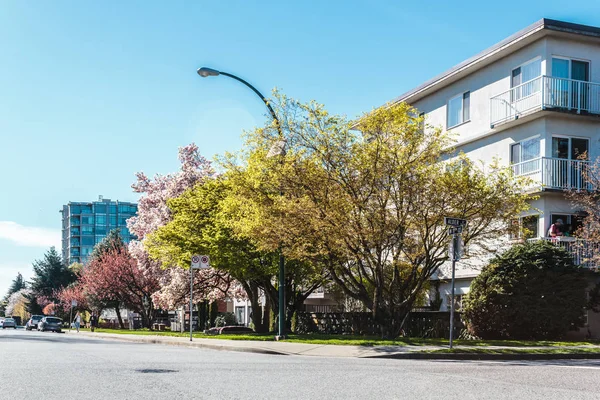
{"points": [[585, 253], [554, 173], [545, 93]]}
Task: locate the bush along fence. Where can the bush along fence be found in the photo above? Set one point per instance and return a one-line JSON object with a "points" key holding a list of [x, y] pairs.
{"points": [[422, 324]]}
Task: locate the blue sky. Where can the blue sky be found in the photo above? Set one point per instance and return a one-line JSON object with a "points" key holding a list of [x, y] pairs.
{"points": [[91, 92]]}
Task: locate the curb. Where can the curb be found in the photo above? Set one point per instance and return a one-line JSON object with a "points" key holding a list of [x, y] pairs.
{"points": [[488, 357], [154, 340]]}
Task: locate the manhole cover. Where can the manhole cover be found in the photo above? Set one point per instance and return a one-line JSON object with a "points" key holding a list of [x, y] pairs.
{"points": [[156, 371]]}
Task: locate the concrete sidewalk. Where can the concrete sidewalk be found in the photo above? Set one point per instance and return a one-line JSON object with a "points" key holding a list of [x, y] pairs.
{"points": [[264, 347], [320, 350]]}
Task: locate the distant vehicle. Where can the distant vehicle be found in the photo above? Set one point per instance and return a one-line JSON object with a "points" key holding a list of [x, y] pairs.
{"points": [[9, 323], [33, 322], [50, 324]]}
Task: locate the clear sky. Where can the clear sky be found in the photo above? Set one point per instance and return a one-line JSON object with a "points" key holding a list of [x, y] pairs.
{"points": [[91, 92]]}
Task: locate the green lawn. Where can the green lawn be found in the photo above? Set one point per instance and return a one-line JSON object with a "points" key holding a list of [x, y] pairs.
{"points": [[355, 340]]}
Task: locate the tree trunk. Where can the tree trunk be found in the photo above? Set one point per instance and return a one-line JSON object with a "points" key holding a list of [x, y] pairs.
{"points": [[118, 311], [257, 317]]}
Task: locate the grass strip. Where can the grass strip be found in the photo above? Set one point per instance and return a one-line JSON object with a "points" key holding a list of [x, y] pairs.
{"points": [[346, 340]]}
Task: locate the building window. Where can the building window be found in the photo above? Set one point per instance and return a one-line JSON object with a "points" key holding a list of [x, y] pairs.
{"points": [[87, 220], [240, 315], [87, 209], [525, 156], [570, 148], [458, 299], [100, 208], [87, 230], [100, 220], [112, 221], [458, 109], [87, 240], [571, 223], [526, 72]]}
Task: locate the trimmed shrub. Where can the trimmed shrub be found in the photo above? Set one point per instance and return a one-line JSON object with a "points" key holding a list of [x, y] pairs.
{"points": [[532, 291], [225, 319]]}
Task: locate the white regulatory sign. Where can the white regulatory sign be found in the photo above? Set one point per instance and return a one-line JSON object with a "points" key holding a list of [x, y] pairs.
{"points": [[195, 261], [204, 261]]}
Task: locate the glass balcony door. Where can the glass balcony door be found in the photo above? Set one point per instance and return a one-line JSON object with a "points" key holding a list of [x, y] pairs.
{"points": [[566, 166], [571, 93]]}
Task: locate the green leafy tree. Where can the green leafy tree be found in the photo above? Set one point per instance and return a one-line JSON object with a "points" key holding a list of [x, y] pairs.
{"points": [[367, 201], [50, 275], [532, 291], [200, 225]]}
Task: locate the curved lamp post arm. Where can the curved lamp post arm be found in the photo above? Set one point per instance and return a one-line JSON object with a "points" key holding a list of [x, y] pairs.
{"points": [[206, 72], [259, 94]]}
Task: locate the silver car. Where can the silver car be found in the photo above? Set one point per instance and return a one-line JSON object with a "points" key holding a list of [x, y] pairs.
{"points": [[9, 323]]}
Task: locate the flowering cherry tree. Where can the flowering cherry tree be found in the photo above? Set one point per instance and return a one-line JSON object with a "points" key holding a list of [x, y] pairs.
{"points": [[117, 276], [153, 212], [73, 292], [16, 303]]}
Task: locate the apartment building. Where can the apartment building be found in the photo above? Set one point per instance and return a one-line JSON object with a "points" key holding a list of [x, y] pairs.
{"points": [[85, 224], [533, 101]]}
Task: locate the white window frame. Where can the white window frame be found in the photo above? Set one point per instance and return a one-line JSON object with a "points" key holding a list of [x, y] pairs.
{"points": [[525, 63], [463, 121], [589, 140], [520, 142], [570, 59]]}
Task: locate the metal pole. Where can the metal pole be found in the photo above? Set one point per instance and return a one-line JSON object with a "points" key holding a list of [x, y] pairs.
{"points": [[281, 324], [454, 250], [71, 317], [281, 333], [191, 299]]}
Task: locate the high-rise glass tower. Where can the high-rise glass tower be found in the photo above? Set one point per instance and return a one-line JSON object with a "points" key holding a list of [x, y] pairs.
{"points": [[85, 224]]}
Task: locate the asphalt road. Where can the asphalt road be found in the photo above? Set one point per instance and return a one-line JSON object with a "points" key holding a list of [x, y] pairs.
{"points": [[65, 366]]}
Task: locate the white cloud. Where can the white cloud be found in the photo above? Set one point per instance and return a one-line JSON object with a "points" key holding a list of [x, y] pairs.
{"points": [[29, 236]]}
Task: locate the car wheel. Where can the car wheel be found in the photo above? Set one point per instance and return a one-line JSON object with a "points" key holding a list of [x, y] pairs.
{"points": [[14, 327]]}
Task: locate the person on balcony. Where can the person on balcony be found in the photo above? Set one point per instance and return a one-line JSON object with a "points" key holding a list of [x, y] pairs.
{"points": [[556, 229]]}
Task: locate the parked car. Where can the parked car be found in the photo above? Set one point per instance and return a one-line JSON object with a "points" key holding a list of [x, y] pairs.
{"points": [[9, 323], [33, 322], [50, 324]]}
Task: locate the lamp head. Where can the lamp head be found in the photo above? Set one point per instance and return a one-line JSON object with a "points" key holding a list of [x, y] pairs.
{"points": [[204, 72]]}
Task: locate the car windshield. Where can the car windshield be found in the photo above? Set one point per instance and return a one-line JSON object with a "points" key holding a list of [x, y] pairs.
{"points": [[9, 320], [37, 317], [54, 320]]}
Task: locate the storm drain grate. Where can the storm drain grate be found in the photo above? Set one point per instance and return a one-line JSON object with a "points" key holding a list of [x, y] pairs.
{"points": [[155, 371]]}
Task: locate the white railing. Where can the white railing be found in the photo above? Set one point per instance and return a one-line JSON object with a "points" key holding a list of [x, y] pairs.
{"points": [[555, 173], [585, 253], [569, 94], [545, 92]]}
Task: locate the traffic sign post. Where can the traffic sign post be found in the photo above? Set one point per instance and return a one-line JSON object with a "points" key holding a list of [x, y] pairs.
{"points": [[198, 262], [455, 253]]}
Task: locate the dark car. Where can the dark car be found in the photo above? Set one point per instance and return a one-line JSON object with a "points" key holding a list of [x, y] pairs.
{"points": [[50, 324], [33, 322]]}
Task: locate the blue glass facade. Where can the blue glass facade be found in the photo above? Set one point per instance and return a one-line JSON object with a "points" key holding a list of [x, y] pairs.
{"points": [[85, 224]]}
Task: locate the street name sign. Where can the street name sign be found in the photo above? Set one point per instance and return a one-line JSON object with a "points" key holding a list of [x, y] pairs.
{"points": [[455, 221]]}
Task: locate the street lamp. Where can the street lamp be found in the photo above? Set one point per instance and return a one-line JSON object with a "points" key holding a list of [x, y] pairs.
{"points": [[278, 149]]}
